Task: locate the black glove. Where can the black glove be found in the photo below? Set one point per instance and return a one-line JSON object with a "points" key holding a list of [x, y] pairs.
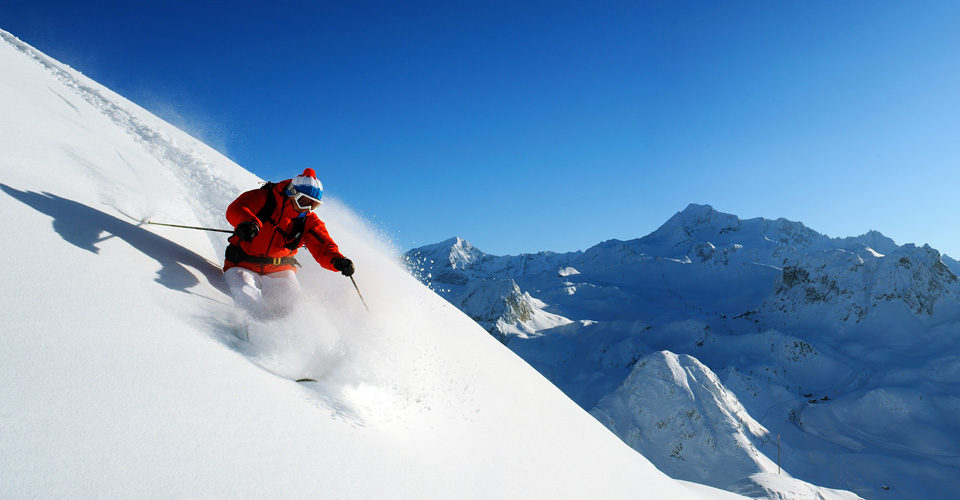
{"points": [[247, 231], [345, 266]]}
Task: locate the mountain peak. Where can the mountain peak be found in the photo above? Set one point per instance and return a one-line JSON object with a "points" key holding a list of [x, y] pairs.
{"points": [[876, 241], [695, 224], [447, 243], [701, 215], [457, 252], [696, 208], [674, 402]]}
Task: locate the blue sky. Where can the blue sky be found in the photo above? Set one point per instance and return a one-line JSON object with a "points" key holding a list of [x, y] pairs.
{"points": [[524, 126]]}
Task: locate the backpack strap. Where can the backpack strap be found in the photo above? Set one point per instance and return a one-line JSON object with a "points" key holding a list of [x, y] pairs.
{"points": [[270, 205], [291, 240]]}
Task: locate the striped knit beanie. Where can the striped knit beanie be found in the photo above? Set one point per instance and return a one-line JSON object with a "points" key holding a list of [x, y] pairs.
{"points": [[308, 184]]}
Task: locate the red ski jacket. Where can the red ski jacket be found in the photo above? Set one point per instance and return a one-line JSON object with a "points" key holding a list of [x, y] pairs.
{"points": [[281, 233]]}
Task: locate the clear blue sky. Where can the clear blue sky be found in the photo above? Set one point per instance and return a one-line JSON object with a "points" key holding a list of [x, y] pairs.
{"points": [[553, 125]]}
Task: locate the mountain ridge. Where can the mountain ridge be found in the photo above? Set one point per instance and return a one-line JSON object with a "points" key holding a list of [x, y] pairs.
{"points": [[792, 321]]}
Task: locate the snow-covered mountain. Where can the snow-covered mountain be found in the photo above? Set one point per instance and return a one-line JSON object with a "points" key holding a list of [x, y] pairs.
{"points": [[703, 341], [125, 374]]}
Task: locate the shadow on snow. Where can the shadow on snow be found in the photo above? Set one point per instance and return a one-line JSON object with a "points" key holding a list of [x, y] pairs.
{"points": [[85, 227]]}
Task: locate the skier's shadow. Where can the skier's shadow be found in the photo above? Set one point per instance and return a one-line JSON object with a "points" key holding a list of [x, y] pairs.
{"points": [[84, 227]]}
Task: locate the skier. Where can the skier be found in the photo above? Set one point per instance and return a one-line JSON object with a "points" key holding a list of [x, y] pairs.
{"points": [[271, 223]]}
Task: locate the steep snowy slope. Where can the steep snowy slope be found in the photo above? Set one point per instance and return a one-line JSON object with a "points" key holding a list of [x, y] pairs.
{"points": [[709, 435], [846, 347], [689, 392], [125, 377]]}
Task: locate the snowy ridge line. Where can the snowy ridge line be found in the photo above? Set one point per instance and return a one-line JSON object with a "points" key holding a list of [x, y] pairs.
{"points": [[837, 344], [201, 173], [694, 392]]}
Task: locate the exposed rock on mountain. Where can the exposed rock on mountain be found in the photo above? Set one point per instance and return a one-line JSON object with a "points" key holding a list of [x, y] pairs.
{"points": [[505, 311], [797, 325], [708, 433]]}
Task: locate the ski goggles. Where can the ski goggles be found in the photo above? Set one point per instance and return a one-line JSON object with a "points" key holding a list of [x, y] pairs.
{"points": [[304, 202]]}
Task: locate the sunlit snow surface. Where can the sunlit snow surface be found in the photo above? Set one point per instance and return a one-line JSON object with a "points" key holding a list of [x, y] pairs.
{"points": [[846, 348], [127, 372]]}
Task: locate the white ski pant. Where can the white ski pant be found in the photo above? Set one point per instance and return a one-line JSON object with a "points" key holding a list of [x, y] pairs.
{"points": [[263, 295]]}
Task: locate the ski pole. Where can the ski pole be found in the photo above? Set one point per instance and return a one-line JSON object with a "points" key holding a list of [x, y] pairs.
{"points": [[191, 227], [358, 293]]}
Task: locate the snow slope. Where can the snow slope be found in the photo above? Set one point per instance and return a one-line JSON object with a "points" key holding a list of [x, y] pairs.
{"points": [[845, 347], [125, 375]]}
